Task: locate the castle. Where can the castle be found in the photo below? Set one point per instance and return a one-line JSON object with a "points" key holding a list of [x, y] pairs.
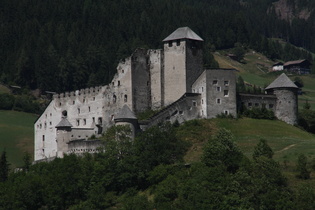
{"points": [[171, 80]]}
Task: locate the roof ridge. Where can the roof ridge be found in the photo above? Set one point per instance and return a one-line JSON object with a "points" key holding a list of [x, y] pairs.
{"points": [[183, 33], [282, 81]]}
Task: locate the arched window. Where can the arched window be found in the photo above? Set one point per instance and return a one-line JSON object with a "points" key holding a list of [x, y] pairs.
{"points": [[64, 113]]}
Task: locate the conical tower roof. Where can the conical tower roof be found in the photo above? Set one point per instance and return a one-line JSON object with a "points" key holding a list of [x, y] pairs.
{"points": [[64, 123], [183, 33], [125, 113], [282, 81]]}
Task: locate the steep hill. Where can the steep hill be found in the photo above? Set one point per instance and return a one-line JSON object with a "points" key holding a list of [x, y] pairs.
{"points": [[72, 44]]}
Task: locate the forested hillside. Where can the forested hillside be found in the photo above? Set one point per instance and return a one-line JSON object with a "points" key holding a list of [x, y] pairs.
{"points": [[64, 45]]}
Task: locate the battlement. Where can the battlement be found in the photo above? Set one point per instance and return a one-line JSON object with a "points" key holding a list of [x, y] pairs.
{"points": [[87, 92]]}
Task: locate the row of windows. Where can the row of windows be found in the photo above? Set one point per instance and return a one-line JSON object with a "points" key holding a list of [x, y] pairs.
{"points": [[270, 106], [83, 150], [218, 89], [170, 43], [99, 121], [40, 126], [225, 82], [50, 114]]}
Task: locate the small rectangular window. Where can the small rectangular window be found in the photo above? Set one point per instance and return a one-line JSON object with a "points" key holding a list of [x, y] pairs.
{"points": [[78, 122], [226, 93], [170, 43], [218, 101], [178, 42], [226, 83], [219, 89], [270, 106], [194, 103], [215, 82], [249, 104]]}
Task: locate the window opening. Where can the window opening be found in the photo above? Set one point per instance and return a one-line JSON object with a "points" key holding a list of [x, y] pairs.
{"points": [[226, 93]]}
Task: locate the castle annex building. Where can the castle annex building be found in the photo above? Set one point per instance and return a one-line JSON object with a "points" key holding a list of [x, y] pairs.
{"points": [[171, 80]]}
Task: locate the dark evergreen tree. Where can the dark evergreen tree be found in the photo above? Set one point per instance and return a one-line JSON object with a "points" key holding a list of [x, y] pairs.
{"points": [[4, 167]]}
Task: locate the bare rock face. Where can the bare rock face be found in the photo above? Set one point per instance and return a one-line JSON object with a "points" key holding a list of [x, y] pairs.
{"points": [[286, 10]]}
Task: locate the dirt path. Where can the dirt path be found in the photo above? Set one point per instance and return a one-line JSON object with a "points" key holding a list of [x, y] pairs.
{"points": [[286, 148]]}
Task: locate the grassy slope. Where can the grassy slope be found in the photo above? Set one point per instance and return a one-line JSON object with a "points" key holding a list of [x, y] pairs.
{"points": [[4, 89], [286, 141], [16, 135]]}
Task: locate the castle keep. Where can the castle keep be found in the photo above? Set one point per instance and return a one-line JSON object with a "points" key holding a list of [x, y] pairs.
{"points": [[171, 80]]}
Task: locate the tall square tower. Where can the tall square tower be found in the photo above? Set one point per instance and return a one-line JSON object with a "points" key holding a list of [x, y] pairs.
{"points": [[182, 63]]}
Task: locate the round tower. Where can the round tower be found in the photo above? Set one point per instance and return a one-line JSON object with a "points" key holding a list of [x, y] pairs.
{"points": [[285, 90]]}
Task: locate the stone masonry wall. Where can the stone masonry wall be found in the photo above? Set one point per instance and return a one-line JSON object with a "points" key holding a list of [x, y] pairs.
{"points": [[287, 105], [174, 71]]}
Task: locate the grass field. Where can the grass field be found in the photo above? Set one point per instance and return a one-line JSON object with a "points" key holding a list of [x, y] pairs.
{"points": [[16, 135], [286, 141], [4, 89]]}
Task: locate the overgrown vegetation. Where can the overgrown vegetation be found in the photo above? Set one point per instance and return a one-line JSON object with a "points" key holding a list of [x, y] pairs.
{"points": [[25, 103], [148, 173]]}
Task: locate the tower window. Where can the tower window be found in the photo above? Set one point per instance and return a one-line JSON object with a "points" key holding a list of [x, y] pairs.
{"points": [[78, 122], [226, 112], [79, 110], [219, 89], [194, 103], [170, 43], [89, 108], [64, 113], [114, 98], [73, 102], [125, 98], [118, 83], [84, 121], [178, 42], [226, 83], [218, 101], [226, 93], [215, 82]]}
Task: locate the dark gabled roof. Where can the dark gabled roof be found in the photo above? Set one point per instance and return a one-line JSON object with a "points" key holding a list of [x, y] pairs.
{"points": [[295, 62], [183, 33], [64, 123], [282, 81], [125, 113], [278, 64]]}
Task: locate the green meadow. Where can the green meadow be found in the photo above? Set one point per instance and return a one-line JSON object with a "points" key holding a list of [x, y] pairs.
{"points": [[16, 135]]}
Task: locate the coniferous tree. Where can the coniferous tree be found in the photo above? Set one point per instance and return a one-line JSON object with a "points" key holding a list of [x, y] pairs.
{"points": [[262, 149], [4, 167], [303, 172]]}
